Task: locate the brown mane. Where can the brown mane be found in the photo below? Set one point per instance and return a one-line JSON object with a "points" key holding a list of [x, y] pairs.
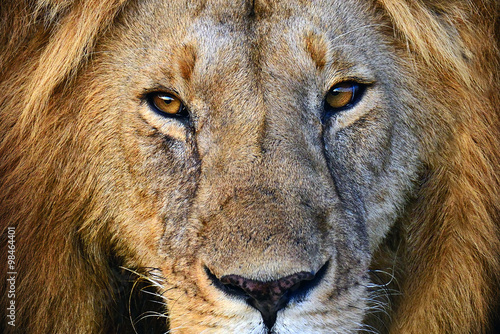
{"points": [[449, 265], [451, 259]]}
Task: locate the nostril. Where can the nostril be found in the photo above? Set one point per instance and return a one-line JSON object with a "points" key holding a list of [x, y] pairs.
{"points": [[230, 290], [268, 297], [300, 291]]}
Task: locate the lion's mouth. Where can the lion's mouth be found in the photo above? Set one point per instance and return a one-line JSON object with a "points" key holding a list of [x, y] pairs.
{"points": [[269, 297]]}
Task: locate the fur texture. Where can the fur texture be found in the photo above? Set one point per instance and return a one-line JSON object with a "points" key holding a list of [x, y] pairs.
{"points": [[126, 219]]}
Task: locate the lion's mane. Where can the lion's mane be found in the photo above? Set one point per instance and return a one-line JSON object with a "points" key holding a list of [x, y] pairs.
{"points": [[447, 264]]}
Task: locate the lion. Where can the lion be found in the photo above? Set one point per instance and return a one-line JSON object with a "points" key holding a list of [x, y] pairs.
{"points": [[253, 166]]}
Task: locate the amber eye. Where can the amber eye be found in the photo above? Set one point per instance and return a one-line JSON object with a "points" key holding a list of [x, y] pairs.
{"points": [[342, 96], [166, 104]]}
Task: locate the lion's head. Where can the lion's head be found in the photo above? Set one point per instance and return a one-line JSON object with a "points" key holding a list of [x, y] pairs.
{"points": [[260, 166]]}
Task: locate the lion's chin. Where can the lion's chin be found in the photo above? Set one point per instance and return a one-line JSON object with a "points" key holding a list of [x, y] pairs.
{"points": [[290, 320]]}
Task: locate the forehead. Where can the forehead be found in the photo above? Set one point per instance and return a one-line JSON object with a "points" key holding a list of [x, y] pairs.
{"points": [[252, 11], [214, 30], [219, 55]]}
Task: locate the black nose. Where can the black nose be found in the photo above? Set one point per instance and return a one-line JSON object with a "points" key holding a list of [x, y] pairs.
{"points": [[267, 297]]}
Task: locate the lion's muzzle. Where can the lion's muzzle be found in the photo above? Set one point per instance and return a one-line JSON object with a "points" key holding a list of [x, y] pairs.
{"points": [[268, 297]]}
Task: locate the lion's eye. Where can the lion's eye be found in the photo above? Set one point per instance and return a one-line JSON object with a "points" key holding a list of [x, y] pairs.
{"points": [[166, 104], [342, 96]]}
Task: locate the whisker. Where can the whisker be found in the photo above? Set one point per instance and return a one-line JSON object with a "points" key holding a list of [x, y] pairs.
{"points": [[155, 280]]}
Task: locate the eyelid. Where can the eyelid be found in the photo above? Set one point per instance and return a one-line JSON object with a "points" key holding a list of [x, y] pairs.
{"points": [[354, 79]]}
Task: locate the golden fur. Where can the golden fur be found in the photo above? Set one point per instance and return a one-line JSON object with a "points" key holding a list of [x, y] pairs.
{"points": [[90, 195]]}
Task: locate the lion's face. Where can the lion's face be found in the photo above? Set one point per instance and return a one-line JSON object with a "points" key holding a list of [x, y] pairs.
{"points": [[257, 156]]}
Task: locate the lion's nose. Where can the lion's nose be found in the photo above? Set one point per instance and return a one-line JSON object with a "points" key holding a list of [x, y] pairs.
{"points": [[267, 297]]}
